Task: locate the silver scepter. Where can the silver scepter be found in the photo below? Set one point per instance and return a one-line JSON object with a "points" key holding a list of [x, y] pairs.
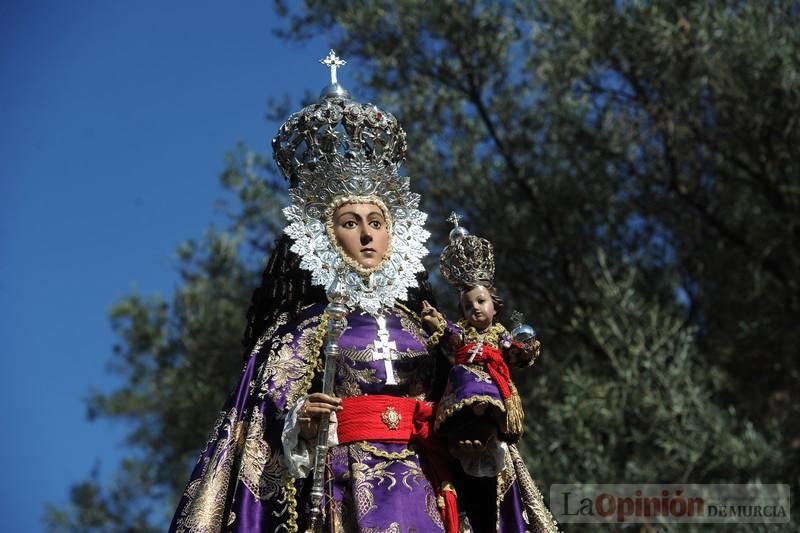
{"points": [[337, 322]]}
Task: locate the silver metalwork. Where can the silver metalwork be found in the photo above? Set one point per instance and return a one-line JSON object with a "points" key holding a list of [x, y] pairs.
{"points": [[333, 62], [458, 231], [467, 260], [335, 150], [337, 322], [522, 333], [337, 128]]}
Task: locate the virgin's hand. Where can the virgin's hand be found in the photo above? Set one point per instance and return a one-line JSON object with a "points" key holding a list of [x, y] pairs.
{"points": [[471, 449], [316, 405]]}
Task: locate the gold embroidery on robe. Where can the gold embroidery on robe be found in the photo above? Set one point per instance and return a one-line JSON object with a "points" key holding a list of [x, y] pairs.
{"points": [[261, 471], [205, 508], [432, 506], [413, 327], [281, 366], [506, 478], [308, 350], [481, 376], [538, 515], [286, 364], [367, 354], [362, 476], [342, 515], [212, 435], [350, 378], [394, 527], [270, 331], [366, 477]]}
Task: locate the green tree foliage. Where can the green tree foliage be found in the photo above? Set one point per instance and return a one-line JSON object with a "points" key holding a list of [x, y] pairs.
{"points": [[635, 164]]}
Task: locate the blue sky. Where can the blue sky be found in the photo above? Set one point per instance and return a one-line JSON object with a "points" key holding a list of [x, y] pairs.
{"points": [[114, 121]]}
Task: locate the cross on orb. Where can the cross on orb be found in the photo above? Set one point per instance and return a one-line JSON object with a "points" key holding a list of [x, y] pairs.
{"points": [[382, 350], [332, 61], [453, 218], [516, 319]]}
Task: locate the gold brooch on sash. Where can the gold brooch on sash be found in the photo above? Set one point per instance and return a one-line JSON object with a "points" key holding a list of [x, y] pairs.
{"points": [[391, 418]]}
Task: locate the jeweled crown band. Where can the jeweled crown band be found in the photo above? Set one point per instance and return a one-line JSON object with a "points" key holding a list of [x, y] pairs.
{"points": [[338, 131]]}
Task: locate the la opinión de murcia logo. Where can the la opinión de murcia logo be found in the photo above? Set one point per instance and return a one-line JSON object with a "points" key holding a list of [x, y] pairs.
{"points": [[673, 503]]}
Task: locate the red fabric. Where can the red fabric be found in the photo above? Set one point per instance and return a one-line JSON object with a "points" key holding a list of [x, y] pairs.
{"points": [[450, 511], [495, 365], [362, 419]]}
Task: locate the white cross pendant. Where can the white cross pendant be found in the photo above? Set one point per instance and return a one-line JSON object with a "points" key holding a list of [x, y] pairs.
{"points": [[382, 350], [475, 351]]}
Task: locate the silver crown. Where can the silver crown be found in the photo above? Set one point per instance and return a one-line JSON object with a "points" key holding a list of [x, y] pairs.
{"points": [[468, 260], [338, 131]]}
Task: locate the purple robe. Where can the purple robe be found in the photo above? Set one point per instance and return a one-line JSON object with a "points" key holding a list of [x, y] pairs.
{"points": [[469, 384], [241, 481]]}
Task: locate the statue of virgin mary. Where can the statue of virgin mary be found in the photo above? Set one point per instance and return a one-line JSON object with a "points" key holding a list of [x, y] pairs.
{"points": [[354, 226]]}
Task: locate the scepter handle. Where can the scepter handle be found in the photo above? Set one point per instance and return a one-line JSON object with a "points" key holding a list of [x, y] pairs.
{"points": [[337, 322]]}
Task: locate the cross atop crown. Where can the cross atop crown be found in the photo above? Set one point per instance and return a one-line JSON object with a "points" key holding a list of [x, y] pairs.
{"points": [[454, 218], [332, 61]]}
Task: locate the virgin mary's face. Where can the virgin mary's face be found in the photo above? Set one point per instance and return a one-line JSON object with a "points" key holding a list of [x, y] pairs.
{"points": [[362, 232]]}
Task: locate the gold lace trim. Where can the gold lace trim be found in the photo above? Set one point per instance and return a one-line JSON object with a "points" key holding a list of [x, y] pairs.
{"points": [[442, 416], [436, 336], [491, 336], [396, 456], [291, 494], [316, 360], [405, 308]]}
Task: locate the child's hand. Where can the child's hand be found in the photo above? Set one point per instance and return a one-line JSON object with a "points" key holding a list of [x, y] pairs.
{"points": [[430, 316], [524, 354]]}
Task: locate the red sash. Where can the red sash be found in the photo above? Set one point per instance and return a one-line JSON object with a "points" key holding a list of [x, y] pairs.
{"points": [[495, 365]]}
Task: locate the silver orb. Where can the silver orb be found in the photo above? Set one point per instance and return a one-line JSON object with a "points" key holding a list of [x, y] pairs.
{"points": [[334, 90], [457, 233], [523, 333]]}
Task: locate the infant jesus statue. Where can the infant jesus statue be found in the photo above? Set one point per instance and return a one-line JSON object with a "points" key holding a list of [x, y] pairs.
{"points": [[480, 410]]}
